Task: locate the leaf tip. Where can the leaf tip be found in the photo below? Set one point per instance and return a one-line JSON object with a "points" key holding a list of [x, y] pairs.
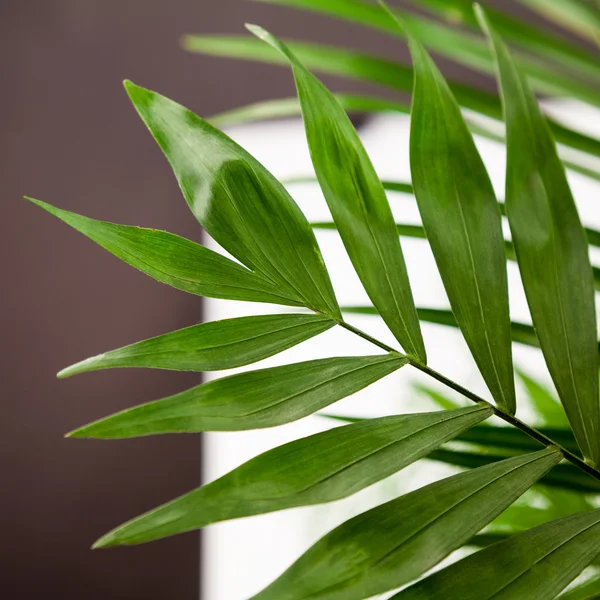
{"points": [[137, 94], [393, 16], [89, 364], [185, 41], [481, 16], [257, 30], [106, 541], [76, 433], [40, 203]]}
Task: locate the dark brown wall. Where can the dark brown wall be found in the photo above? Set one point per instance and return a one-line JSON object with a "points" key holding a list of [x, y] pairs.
{"points": [[70, 137]]}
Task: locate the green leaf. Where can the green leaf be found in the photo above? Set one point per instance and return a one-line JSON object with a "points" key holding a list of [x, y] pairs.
{"points": [[357, 202], [403, 187], [464, 47], [392, 544], [174, 260], [364, 67], [211, 346], [537, 41], [578, 16], [590, 590], [463, 224], [538, 564], [336, 61], [547, 407], [505, 442], [356, 456], [413, 231], [262, 398], [417, 231], [241, 205], [288, 107], [552, 253]]}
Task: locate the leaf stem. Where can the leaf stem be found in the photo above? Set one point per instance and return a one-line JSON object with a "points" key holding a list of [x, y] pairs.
{"points": [[367, 337], [530, 431]]}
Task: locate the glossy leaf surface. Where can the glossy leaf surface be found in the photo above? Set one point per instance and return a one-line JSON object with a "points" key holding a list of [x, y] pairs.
{"points": [[357, 202], [538, 564], [241, 205], [211, 346], [262, 398], [353, 457], [174, 260], [392, 544], [463, 224], [552, 252]]}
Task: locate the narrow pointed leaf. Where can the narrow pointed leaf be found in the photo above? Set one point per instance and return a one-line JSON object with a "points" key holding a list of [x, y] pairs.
{"points": [[336, 61], [283, 107], [536, 40], [364, 67], [464, 47], [357, 202], [463, 224], [262, 398], [552, 252], [211, 346], [538, 563], [417, 231], [241, 205], [348, 459], [396, 542], [289, 107], [506, 442], [174, 260]]}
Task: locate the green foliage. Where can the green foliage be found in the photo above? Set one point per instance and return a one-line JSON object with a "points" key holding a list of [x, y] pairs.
{"points": [[529, 492], [552, 252], [211, 346], [261, 398], [357, 202], [357, 456], [537, 563], [392, 544], [463, 224]]}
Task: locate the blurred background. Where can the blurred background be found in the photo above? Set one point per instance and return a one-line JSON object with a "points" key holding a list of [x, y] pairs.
{"points": [[71, 138]]}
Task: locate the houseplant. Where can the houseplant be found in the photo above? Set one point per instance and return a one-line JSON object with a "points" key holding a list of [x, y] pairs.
{"points": [[253, 217]]}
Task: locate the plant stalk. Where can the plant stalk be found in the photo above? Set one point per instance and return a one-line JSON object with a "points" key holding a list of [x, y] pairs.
{"points": [[530, 431]]}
